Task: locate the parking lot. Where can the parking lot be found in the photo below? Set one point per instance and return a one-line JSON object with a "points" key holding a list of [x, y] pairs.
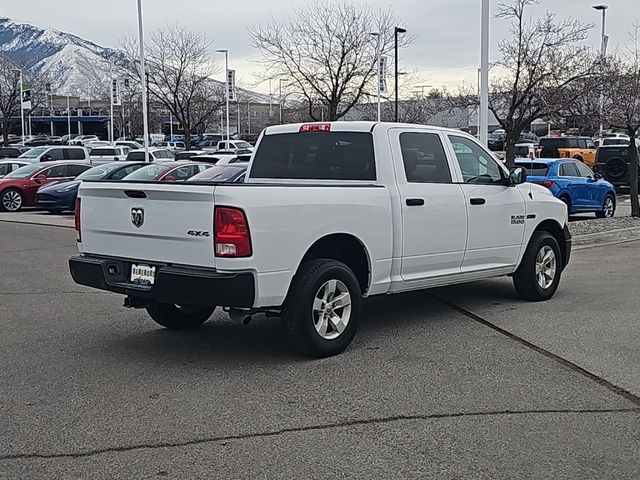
{"points": [[460, 382]]}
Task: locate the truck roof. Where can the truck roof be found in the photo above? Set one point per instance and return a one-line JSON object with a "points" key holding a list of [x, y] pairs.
{"points": [[351, 126]]}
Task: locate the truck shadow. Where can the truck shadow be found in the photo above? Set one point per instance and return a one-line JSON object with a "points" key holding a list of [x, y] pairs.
{"points": [[400, 316]]}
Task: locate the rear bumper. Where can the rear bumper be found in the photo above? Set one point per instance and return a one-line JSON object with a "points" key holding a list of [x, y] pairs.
{"points": [[567, 247], [173, 284]]}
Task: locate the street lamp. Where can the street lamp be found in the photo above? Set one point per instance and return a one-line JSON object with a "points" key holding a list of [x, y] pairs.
{"points": [[396, 31], [603, 53], [378, 53], [281, 101], [226, 85], [143, 75], [483, 112], [19, 70]]}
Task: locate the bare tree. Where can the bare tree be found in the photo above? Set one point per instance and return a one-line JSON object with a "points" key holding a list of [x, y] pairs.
{"points": [[327, 52], [9, 94], [537, 63], [179, 69], [623, 106]]}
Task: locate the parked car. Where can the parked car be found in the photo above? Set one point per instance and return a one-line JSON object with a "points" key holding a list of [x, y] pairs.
{"points": [[613, 163], [528, 137], [40, 141], [579, 148], [155, 155], [235, 145], [18, 189], [188, 154], [622, 140], [61, 196], [100, 155], [322, 220], [127, 143], [495, 141], [179, 171], [223, 159], [10, 152], [51, 154], [208, 146], [82, 140], [526, 150], [174, 146], [574, 183], [8, 166], [223, 173], [65, 139]]}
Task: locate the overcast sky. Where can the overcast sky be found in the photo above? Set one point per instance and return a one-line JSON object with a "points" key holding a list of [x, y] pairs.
{"points": [[446, 50]]}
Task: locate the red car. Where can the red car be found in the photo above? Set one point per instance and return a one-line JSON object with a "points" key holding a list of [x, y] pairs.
{"points": [[18, 189], [168, 171]]}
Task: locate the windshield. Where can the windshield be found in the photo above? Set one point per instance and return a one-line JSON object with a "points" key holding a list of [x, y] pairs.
{"points": [[98, 172], [243, 145], [218, 174], [26, 171], [33, 153], [148, 173]]}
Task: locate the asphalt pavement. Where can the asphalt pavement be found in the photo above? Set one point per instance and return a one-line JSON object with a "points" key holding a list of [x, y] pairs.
{"points": [[459, 382]]}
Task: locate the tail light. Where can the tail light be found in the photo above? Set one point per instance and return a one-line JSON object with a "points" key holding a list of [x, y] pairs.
{"points": [[547, 183], [232, 238], [315, 127], [76, 217]]}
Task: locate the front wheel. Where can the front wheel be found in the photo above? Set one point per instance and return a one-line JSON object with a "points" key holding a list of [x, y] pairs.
{"points": [[179, 317], [323, 308], [538, 275], [608, 208]]}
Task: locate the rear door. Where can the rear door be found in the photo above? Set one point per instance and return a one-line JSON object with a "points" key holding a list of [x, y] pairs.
{"points": [[496, 212], [151, 222], [594, 191], [434, 215], [573, 183]]}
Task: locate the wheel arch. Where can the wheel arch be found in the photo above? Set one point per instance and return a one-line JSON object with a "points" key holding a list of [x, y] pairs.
{"points": [[346, 248], [557, 231]]}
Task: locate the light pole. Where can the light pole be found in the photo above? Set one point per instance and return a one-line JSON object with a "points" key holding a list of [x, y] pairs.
{"points": [[19, 70], [396, 31], [280, 101], [69, 120], [226, 85], [483, 113], [143, 76], [378, 53], [603, 53]]}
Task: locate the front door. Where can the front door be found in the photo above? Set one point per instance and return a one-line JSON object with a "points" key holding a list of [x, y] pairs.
{"points": [[496, 212], [434, 216]]}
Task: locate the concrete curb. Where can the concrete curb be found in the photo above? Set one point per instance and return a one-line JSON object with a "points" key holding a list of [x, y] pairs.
{"points": [[611, 237]]}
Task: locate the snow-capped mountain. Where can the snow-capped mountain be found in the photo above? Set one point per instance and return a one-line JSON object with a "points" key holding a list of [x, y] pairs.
{"points": [[72, 62], [64, 56]]}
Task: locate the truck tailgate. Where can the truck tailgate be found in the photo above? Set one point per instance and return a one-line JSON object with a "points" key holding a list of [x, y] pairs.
{"points": [[161, 222]]}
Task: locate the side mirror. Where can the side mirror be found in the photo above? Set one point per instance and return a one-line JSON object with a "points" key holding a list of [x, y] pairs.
{"points": [[116, 159], [597, 176], [517, 175], [169, 178], [40, 177], [45, 158]]}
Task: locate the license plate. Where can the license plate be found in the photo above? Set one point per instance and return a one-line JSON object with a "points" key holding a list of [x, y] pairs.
{"points": [[143, 274]]}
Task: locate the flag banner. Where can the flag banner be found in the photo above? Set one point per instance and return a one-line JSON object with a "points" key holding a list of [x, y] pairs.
{"points": [[115, 92], [26, 96], [383, 75], [231, 85]]}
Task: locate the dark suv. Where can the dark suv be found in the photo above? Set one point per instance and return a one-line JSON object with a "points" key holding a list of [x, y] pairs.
{"points": [[612, 162]]}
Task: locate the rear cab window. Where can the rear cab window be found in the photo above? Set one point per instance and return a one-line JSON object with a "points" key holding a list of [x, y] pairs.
{"points": [[335, 155]]}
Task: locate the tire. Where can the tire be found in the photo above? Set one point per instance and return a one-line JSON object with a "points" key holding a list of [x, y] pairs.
{"points": [[11, 200], [567, 202], [615, 169], [310, 297], [608, 207], [579, 158], [526, 279], [176, 317]]}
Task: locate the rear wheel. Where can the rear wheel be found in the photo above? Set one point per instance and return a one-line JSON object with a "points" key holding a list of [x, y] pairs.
{"points": [[179, 317], [538, 275], [608, 208], [11, 200], [321, 314]]}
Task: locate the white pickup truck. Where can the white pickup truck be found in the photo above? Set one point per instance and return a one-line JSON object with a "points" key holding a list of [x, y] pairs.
{"points": [[330, 213]]}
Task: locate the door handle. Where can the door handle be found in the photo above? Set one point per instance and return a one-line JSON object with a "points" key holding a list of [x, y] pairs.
{"points": [[415, 202], [478, 201]]}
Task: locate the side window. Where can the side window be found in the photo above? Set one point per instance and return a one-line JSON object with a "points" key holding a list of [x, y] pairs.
{"points": [[590, 143], [75, 170], [74, 154], [477, 166], [424, 158], [56, 154], [584, 171], [183, 173], [4, 168], [123, 172], [582, 143], [568, 170], [59, 171], [572, 143]]}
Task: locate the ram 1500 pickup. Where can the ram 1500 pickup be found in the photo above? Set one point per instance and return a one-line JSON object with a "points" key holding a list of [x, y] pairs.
{"points": [[329, 214]]}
